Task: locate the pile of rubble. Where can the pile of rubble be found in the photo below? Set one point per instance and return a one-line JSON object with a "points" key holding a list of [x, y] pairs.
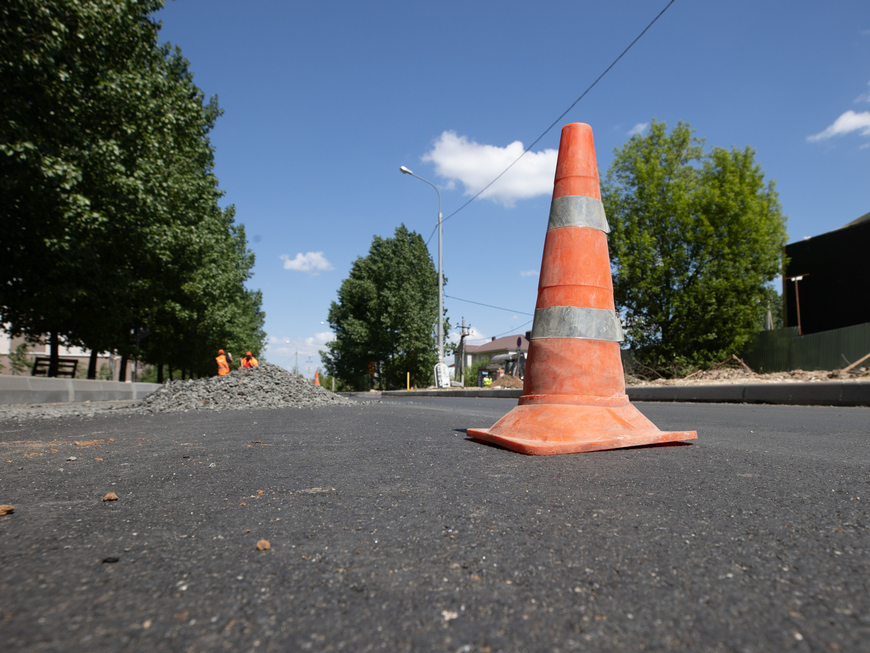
{"points": [[266, 386]]}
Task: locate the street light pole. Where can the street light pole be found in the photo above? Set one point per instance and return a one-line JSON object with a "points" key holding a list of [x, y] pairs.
{"points": [[797, 299], [440, 323]]}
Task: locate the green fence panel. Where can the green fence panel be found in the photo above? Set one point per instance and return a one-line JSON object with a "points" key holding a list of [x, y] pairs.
{"points": [[782, 350]]}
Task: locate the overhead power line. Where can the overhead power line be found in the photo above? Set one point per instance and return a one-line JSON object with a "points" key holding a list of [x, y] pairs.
{"points": [[556, 121], [487, 305], [513, 330]]}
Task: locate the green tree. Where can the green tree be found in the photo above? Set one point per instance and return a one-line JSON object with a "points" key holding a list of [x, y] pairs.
{"points": [[695, 240], [473, 369], [112, 228], [20, 359], [772, 302], [386, 314], [70, 72]]}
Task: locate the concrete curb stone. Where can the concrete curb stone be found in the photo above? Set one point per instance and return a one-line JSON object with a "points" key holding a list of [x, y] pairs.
{"points": [[823, 393], [40, 390]]}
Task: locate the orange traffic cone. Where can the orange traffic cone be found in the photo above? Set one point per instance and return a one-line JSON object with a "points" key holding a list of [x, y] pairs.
{"points": [[317, 378], [574, 390]]}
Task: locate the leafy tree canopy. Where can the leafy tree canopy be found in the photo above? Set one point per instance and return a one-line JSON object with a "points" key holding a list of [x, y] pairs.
{"points": [[386, 314], [695, 239], [113, 236]]}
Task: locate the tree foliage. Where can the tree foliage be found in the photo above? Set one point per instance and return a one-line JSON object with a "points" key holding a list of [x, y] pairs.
{"points": [[113, 236], [472, 372], [696, 237], [386, 314]]}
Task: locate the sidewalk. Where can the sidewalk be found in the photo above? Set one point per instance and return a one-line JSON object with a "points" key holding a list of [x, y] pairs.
{"points": [[822, 393]]}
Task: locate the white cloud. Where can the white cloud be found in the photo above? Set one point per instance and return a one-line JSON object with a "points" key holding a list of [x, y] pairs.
{"points": [[529, 273], [845, 124], [323, 337], [289, 354], [305, 346], [477, 338], [457, 158], [638, 129], [311, 262], [864, 97]]}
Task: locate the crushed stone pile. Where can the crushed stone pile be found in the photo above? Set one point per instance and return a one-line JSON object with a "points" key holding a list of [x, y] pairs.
{"points": [[267, 386]]}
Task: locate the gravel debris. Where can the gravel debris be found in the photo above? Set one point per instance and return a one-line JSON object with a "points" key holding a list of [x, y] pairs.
{"points": [[267, 386]]}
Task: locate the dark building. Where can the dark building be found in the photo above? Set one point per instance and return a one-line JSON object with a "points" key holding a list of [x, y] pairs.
{"points": [[834, 290]]}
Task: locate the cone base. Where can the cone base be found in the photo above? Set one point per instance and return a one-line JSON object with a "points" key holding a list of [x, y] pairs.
{"points": [[547, 429]]}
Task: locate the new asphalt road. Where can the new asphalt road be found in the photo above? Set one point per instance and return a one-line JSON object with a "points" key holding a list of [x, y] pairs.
{"points": [[390, 530]]}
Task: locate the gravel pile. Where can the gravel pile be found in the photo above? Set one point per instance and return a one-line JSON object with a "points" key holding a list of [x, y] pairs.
{"points": [[267, 386]]}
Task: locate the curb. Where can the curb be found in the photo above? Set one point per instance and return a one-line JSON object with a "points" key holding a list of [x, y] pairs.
{"points": [[38, 390], [823, 393]]}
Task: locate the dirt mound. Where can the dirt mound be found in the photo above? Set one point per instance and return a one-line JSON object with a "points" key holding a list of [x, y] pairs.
{"points": [[507, 382], [739, 374]]}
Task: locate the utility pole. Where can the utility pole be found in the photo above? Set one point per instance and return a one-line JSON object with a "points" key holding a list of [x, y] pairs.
{"points": [[461, 352]]}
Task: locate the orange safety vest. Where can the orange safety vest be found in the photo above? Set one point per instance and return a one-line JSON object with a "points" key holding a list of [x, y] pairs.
{"points": [[223, 366], [249, 362]]}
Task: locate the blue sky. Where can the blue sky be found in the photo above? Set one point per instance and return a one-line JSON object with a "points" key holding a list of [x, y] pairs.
{"points": [[324, 101]]}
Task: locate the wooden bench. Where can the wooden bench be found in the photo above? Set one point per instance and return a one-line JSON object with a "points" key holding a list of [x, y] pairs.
{"points": [[66, 367]]}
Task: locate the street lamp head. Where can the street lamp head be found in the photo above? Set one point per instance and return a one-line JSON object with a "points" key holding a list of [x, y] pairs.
{"points": [[439, 326]]}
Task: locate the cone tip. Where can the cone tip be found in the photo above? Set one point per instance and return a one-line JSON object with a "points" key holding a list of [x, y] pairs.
{"points": [[576, 168]]}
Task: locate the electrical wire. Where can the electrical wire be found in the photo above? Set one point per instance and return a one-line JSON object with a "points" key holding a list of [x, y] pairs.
{"points": [[487, 305], [556, 121], [528, 149], [432, 234], [502, 334]]}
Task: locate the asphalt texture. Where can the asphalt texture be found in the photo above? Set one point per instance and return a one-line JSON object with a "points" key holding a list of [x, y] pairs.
{"points": [[390, 530]]}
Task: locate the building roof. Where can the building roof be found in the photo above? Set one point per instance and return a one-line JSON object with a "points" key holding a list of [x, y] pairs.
{"points": [[835, 279], [857, 221], [505, 343], [862, 219]]}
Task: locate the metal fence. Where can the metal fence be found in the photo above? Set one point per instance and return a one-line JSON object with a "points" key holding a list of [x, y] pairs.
{"points": [[783, 350]]}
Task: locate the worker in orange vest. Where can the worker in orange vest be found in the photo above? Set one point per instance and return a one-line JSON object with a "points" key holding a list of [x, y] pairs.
{"points": [[223, 362], [249, 361]]}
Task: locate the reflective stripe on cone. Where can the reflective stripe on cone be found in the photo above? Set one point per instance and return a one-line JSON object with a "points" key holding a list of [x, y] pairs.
{"points": [[574, 390]]}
